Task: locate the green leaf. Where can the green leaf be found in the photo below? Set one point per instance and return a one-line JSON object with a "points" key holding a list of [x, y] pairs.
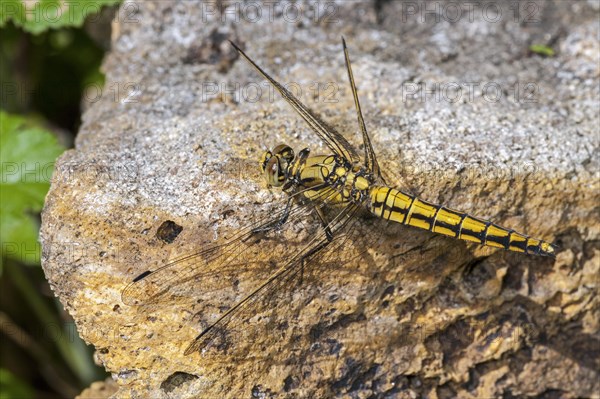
{"points": [[27, 155], [37, 16], [542, 50], [12, 387]]}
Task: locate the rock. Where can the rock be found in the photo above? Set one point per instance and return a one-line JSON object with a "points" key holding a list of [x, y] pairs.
{"points": [[460, 112], [99, 389]]}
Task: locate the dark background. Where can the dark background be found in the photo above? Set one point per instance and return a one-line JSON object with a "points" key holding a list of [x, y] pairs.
{"points": [[47, 78]]}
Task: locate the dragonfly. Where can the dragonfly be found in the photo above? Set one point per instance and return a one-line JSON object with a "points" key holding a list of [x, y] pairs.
{"points": [[334, 189]]}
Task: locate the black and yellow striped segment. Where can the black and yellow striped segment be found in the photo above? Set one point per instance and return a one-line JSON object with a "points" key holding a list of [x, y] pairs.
{"points": [[400, 207]]}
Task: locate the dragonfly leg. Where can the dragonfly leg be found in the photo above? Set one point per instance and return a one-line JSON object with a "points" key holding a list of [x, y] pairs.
{"points": [[328, 238], [276, 223], [328, 233]]}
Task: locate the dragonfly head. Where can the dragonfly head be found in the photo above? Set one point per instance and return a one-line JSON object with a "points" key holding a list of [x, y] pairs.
{"points": [[275, 164]]}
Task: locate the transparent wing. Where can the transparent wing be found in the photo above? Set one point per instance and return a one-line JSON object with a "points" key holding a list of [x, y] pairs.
{"points": [[234, 321], [334, 140], [253, 272], [370, 158], [216, 267]]}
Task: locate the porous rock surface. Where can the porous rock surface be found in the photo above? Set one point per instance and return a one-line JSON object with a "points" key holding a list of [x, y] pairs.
{"points": [[460, 112]]}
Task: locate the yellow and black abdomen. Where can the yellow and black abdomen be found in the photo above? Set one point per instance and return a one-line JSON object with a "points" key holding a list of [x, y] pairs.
{"points": [[392, 204]]}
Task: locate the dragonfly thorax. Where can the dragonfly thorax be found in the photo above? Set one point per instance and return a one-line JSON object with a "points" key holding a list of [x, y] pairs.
{"points": [[351, 180], [316, 173]]}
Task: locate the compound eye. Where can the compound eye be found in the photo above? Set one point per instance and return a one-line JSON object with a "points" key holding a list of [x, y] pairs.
{"points": [[267, 155], [285, 152], [273, 172]]}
